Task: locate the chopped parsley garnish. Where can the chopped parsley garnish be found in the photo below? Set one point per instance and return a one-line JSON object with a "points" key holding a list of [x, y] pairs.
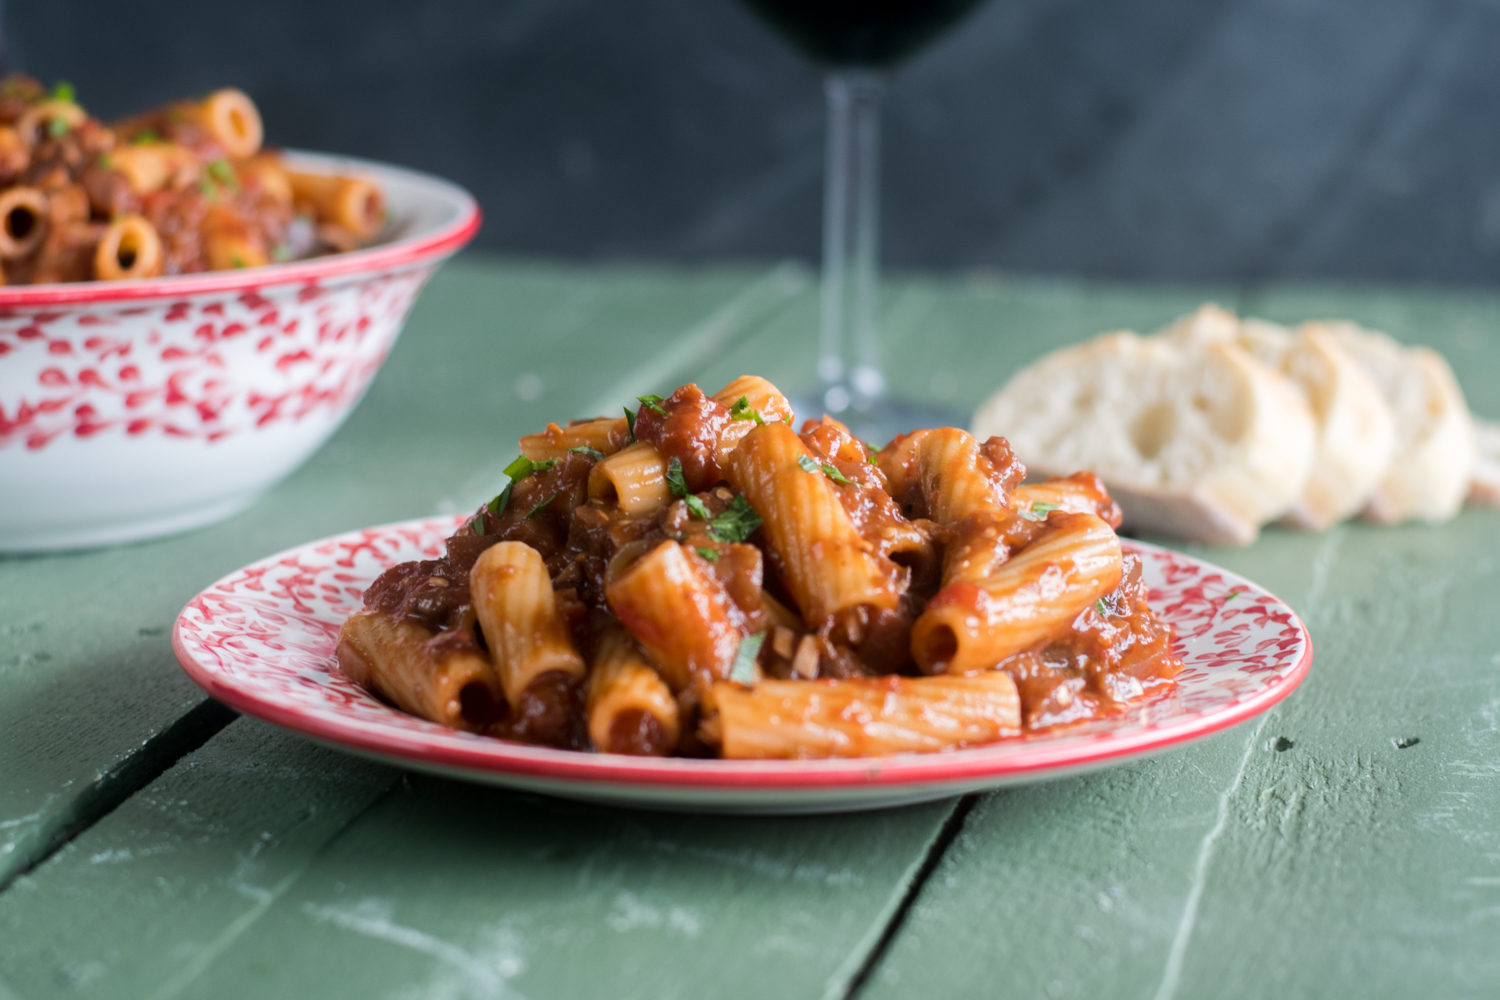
{"points": [[533, 511], [676, 481], [64, 91], [57, 127], [523, 467], [743, 670], [208, 188], [145, 138], [809, 464], [237, 261], [709, 554], [1039, 511], [281, 253], [517, 471], [593, 453], [221, 171], [736, 524], [836, 475], [873, 459], [741, 411], [1232, 596], [697, 508], [630, 422], [654, 402], [1101, 607]]}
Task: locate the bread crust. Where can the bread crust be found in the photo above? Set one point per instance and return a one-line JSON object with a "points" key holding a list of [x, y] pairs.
{"points": [[1430, 473], [1198, 440]]}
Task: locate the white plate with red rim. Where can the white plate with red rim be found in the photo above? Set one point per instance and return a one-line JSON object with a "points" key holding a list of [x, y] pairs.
{"points": [[262, 640]]}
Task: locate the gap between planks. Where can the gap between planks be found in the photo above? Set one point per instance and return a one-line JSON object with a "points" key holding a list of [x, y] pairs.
{"points": [[158, 754], [949, 832]]}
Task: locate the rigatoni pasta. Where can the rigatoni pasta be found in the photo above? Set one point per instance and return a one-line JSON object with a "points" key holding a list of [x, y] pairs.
{"points": [[190, 182], [701, 578]]}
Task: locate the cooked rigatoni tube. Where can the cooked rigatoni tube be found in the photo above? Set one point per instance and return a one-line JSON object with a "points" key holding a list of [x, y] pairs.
{"points": [[680, 613], [30, 126], [395, 658], [267, 174], [129, 248], [946, 465], [635, 477], [630, 708], [150, 166], [861, 717], [1080, 493], [1031, 598], [606, 435], [827, 565], [517, 611], [23, 221], [763, 404], [231, 118], [230, 241], [352, 204]]}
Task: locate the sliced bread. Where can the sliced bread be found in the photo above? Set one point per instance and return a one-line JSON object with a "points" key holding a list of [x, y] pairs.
{"points": [[1429, 475], [1356, 435], [1484, 483], [1193, 439]]}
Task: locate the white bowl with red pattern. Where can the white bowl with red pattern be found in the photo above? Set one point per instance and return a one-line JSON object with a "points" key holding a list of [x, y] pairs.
{"points": [[140, 408]]}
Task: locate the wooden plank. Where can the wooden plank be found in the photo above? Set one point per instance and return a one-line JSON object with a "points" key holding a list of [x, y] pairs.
{"points": [[493, 350], [224, 878], [142, 902], [1314, 852], [954, 341]]}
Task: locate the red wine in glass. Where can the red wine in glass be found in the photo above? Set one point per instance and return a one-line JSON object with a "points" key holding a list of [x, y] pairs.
{"points": [[857, 40]]}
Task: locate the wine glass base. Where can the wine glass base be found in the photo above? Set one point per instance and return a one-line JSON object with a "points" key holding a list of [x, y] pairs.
{"points": [[884, 419]]}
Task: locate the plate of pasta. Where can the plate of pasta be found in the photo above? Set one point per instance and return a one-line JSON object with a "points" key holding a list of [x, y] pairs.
{"points": [[698, 605]]}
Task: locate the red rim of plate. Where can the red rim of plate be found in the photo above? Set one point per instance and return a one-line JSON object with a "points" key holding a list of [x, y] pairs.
{"points": [[438, 242], [462, 751]]}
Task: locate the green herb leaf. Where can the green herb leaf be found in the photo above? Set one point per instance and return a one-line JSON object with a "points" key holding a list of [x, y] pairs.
{"points": [[57, 127], [523, 467], [808, 464], [630, 422], [873, 459], [654, 402], [145, 138], [1101, 607], [1232, 596], [676, 482], [281, 253], [221, 171], [741, 411], [501, 501], [237, 261], [62, 90], [836, 475], [208, 188], [477, 525], [593, 453], [1039, 511], [697, 507], [743, 670], [533, 511], [736, 524], [709, 554]]}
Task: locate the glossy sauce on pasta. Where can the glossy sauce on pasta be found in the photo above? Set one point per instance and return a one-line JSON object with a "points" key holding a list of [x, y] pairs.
{"points": [[662, 576]]}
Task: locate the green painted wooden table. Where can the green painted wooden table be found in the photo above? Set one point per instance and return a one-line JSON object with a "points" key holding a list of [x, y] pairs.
{"points": [[1345, 843]]}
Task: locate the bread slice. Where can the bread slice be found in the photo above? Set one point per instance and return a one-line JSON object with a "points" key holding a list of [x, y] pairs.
{"points": [[1484, 481], [1196, 440], [1434, 456], [1356, 434]]}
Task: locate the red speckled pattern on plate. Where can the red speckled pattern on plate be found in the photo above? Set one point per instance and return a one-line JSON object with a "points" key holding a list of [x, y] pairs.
{"points": [[262, 640]]}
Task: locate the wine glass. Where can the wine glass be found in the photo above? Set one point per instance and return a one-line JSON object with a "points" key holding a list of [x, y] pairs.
{"points": [[859, 41]]}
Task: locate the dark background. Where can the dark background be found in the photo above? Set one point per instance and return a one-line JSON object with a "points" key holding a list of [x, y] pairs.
{"points": [[1155, 138]]}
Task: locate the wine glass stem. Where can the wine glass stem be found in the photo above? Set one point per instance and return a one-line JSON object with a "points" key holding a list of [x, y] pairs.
{"points": [[849, 348]]}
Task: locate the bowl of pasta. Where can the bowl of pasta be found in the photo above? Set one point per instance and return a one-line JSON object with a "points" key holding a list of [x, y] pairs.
{"points": [[186, 315], [699, 606]]}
